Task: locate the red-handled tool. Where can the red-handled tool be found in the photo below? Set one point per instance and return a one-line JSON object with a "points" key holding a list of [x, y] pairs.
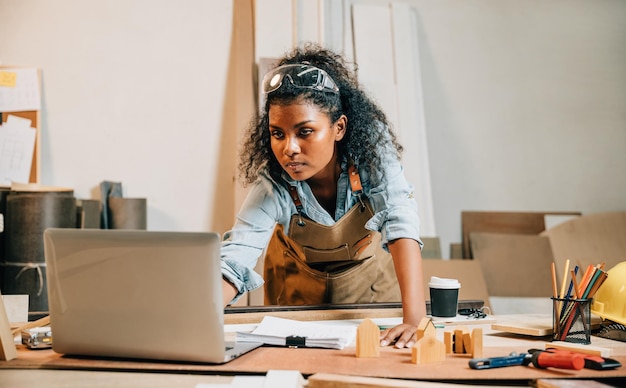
{"points": [[562, 360], [549, 356]]}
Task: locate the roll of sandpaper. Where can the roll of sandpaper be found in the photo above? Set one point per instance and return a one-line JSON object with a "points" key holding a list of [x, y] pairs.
{"points": [[127, 213], [88, 214], [28, 215]]}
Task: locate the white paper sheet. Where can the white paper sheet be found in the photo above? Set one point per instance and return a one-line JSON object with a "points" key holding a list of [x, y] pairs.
{"points": [[274, 331], [19, 90], [17, 144]]}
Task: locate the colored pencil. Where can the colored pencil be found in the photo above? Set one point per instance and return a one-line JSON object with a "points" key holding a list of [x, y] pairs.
{"points": [[564, 279], [557, 316]]}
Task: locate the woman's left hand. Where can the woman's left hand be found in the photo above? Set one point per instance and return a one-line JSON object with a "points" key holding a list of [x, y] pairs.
{"points": [[404, 335]]}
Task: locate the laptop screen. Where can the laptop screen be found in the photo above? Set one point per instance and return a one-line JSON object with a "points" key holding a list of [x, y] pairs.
{"points": [[135, 294]]}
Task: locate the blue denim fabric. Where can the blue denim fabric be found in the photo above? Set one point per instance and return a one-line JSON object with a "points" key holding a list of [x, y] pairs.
{"points": [[268, 203]]}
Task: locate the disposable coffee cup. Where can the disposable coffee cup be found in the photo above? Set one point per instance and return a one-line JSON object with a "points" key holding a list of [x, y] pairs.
{"points": [[444, 297]]}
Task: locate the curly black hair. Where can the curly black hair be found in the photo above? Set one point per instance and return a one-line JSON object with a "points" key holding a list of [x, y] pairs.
{"points": [[367, 125]]}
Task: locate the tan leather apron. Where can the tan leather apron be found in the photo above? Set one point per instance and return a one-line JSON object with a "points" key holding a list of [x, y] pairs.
{"points": [[319, 264]]}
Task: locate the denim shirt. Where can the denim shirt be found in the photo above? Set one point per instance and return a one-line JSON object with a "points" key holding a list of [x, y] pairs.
{"points": [[268, 202]]}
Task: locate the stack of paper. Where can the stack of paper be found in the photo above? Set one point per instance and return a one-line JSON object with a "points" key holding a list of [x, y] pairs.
{"points": [[278, 331]]}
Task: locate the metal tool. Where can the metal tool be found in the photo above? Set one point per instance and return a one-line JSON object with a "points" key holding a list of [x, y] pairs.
{"points": [[536, 357], [614, 331], [555, 356], [37, 337], [557, 359], [499, 362], [549, 358]]}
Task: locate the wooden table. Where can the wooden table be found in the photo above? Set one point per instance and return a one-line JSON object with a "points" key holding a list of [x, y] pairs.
{"points": [[393, 363]]}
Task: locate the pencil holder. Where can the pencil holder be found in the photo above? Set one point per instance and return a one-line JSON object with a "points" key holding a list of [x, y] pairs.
{"points": [[571, 320]]}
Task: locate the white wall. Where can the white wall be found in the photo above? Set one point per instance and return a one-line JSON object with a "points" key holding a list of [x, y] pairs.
{"points": [[133, 91], [525, 103]]}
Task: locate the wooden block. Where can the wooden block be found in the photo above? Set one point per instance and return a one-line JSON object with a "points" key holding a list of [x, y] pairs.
{"points": [[458, 339], [7, 346], [467, 342], [580, 348], [448, 341], [425, 327], [477, 343], [428, 349], [367, 339]]}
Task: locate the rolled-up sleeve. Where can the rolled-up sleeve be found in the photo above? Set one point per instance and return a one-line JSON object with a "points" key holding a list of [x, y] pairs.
{"points": [[394, 205], [246, 241]]}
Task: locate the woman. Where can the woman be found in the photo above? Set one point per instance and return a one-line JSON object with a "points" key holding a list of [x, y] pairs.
{"points": [[329, 204]]}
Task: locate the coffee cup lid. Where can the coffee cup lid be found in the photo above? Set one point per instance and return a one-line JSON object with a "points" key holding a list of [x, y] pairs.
{"points": [[436, 282]]}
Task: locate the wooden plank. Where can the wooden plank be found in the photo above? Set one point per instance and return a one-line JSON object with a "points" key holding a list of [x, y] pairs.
{"points": [[22, 378], [514, 264], [330, 380], [580, 348], [411, 125], [373, 51], [255, 314], [537, 325], [313, 315], [590, 239], [393, 363], [45, 321], [502, 222], [468, 272], [7, 346], [570, 383]]}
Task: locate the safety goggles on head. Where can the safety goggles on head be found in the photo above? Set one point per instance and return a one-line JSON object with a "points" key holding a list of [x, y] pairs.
{"points": [[301, 76]]}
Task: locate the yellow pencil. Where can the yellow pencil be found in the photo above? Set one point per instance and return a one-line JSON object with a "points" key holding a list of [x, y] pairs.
{"points": [[555, 305], [565, 273], [554, 289]]}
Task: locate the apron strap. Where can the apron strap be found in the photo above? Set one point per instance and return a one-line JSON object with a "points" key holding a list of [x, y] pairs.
{"points": [[355, 183], [293, 192], [355, 186]]}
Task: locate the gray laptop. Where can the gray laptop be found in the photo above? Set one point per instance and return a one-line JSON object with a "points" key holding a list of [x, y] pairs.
{"points": [[137, 294]]}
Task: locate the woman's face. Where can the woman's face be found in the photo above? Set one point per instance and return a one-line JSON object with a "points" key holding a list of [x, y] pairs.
{"points": [[304, 140]]}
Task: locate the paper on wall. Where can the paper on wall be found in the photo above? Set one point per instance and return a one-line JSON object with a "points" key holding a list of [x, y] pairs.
{"points": [[17, 144], [19, 90]]}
